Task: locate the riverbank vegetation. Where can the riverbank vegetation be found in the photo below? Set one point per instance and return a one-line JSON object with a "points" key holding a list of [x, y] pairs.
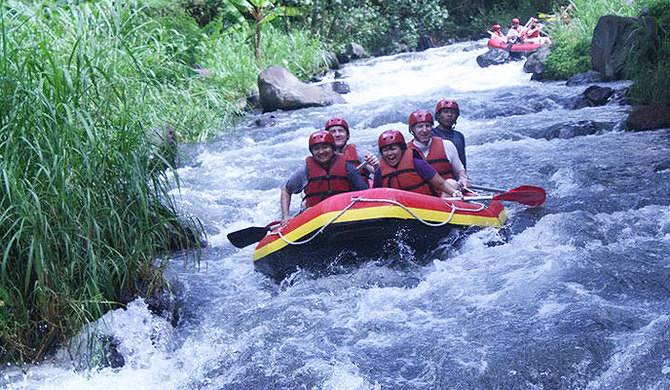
{"points": [[648, 64], [85, 205]]}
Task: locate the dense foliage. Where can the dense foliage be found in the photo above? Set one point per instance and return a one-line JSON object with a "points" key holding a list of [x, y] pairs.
{"points": [[84, 202]]}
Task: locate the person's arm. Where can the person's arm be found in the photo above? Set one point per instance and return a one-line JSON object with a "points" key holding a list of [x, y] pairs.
{"points": [[285, 202], [456, 164], [377, 181], [428, 173], [356, 181], [295, 184], [370, 159]]}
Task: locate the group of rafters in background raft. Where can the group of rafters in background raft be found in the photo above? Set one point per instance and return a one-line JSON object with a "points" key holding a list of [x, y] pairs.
{"points": [[519, 39], [433, 163]]}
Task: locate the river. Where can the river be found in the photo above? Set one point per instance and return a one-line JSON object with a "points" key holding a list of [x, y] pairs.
{"points": [[571, 295]]}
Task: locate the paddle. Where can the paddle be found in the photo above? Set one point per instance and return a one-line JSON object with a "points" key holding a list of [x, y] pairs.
{"points": [[482, 188], [528, 195], [248, 236]]}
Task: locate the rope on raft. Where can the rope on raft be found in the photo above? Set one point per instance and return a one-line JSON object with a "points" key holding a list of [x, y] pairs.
{"points": [[355, 200]]}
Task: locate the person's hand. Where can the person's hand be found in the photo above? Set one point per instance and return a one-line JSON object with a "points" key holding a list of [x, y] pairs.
{"points": [[371, 160], [463, 183], [284, 220]]}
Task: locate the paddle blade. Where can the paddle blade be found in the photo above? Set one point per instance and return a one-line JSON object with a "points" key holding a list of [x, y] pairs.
{"points": [[248, 236], [529, 195]]}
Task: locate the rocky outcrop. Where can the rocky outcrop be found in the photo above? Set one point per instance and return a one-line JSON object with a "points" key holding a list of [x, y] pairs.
{"points": [[589, 77], [535, 62], [352, 51], [279, 89], [654, 116], [493, 57], [614, 39], [570, 130]]}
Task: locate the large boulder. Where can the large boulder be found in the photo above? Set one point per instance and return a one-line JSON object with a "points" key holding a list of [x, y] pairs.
{"points": [[535, 62], [279, 89], [614, 39], [493, 57], [654, 116], [574, 129]]}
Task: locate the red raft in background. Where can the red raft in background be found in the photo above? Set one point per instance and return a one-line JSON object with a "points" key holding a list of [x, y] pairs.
{"points": [[355, 226], [525, 47]]}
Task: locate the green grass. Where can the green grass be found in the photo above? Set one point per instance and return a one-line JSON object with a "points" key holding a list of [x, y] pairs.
{"points": [[83, 209]]}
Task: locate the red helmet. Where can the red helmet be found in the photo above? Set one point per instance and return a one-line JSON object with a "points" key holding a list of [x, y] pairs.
{"points": [[336, 122], [444, 104], [516, 21], [495, 27], [321, 137], [419, 116], [391, 137]]}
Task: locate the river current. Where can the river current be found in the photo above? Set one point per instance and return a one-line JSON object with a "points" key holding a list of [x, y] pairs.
{"points": [[571, 295]]}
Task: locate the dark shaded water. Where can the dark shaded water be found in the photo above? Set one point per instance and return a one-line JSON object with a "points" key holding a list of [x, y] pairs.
{"points": [[574, 295]]}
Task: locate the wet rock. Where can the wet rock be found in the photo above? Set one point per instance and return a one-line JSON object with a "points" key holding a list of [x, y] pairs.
{"points": [[340, 87], [654, 116], [338, 75], [111, 357], [425, 42], [166, 302], [589, 77], [493, 57], [535, 62], [355, 51], [593, 96], [662, 167], [279, 89], [254, 100], [342, 58], [571, 130], [265, 121], [331, 60]]}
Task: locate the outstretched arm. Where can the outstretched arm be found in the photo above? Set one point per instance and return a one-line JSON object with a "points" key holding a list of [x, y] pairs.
{"points": [[285, 205]]}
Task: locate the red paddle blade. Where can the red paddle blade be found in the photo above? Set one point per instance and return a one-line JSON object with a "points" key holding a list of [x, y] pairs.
{"points": [[529, 195]]}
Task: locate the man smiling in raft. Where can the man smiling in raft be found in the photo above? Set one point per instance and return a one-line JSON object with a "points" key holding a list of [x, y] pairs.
{"points": [[325, 174]]}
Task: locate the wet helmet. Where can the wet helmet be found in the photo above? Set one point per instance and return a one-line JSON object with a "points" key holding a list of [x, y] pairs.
{"points": [[495, 27], [321, 137], [444, 104], [336, 122], [516, 21], [392, 137], [419, 116]]}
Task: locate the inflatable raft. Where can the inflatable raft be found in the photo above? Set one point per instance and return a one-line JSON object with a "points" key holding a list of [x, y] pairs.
{"points": [[526, 47], [359, 225]]}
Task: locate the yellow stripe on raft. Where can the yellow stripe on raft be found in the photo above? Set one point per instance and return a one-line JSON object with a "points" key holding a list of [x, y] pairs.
{"points": [[379, 212]]}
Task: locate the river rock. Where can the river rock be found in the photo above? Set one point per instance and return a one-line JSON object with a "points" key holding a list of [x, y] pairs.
{"points": [[279, 89], [574, 129], [535, 62], [650, 117], [589, 77], [340, 87], [493, 57], [355, 51], [425, 42], [331, 60], [614, 38], [593, 96]]}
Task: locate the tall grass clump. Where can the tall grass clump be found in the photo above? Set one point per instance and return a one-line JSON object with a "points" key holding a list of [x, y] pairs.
{"points": [[82, 210], [231, 60]]}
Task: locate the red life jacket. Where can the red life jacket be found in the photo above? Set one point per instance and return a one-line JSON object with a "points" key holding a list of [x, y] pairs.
{"points": [[351, 155], [437, 157], [404, 176], [322, 184]]}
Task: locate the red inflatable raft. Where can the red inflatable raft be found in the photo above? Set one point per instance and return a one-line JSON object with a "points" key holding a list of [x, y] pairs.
{"points": [[367, 224], [526, 47]]}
